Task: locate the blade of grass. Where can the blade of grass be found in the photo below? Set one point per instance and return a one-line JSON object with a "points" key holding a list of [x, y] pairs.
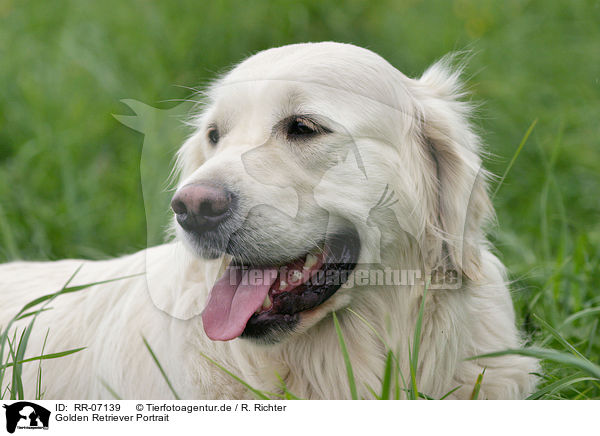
{"points": [[420, 394], [372, 392], [162, 371], [558, 386], [68, 290], [477, 386], [5, 391], [287, 394], [397, 365], [386, 385], [544, 195], [18, 356], [28, 314], [4, 335], [397, 388], [582, 395], [553, 355], [15, 381], [414, 354], [592, 337], [47, 299], [109, 389], [44, 357], [44, 298], [255, 391], [38, 379], [515, 156], [349, 370], [412, 394], [559, 337], [447, 394], [17, 368], [2, 371], [581, 314]]}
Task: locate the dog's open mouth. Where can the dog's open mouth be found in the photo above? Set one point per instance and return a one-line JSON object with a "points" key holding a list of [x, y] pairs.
{"points": [[256, 301]]}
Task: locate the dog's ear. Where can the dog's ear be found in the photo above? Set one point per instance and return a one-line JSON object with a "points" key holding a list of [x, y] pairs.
{"points": [[456, 184]]}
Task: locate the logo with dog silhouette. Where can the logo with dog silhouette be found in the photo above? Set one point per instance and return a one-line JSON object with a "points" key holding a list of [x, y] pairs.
{"points": [[26, 415]]}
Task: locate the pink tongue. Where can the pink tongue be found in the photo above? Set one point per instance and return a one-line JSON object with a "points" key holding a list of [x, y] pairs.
{"points": [[233, 299]]}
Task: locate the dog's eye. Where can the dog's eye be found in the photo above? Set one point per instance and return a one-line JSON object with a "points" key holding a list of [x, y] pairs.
{"points": [[213, 135], [299, 127]]}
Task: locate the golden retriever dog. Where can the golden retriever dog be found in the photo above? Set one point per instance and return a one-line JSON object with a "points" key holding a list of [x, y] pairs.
{"points": [[318, 179]]}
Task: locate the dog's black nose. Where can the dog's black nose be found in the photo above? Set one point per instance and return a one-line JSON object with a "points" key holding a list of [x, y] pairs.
{"points": [[200, 207]]}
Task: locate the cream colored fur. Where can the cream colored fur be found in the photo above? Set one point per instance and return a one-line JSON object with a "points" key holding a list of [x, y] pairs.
{"points": [[411, 135]]}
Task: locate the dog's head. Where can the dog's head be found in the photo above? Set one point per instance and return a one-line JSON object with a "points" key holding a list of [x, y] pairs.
{"points": [[312, 158]]}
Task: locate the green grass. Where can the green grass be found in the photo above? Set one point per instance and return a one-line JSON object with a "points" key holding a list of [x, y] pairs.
{"points": [[344, 350], [70, 172], [14, 351], [162, 371]]}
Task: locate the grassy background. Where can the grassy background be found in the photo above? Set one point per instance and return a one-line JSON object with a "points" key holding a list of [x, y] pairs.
{"points": [[69, 171]]}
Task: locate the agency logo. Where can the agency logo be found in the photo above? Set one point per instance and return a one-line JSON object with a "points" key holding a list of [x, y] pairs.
{"points": [[26, 415]]}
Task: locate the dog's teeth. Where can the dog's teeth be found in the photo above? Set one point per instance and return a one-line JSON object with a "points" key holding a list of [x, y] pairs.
{"points": [[267, 303], [282, 285], [296, 275], [310, 261]]}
